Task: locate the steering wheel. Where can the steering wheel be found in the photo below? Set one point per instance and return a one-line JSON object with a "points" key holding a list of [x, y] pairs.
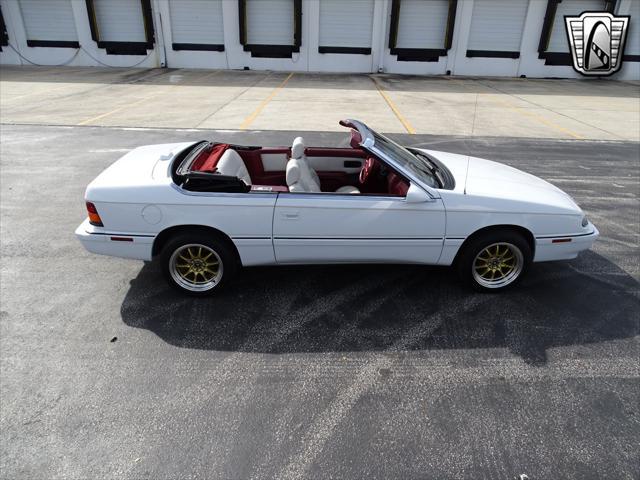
{"points": [[369, 168]]}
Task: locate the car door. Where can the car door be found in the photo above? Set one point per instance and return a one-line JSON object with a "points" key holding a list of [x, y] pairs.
{"points": [[328, 227]]}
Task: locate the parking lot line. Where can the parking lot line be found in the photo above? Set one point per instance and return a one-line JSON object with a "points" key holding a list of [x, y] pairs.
{"points": [[539, 118], [405, 123], [522, 111], [249, 120], [38, 92], [209, 75], [119, 109]]}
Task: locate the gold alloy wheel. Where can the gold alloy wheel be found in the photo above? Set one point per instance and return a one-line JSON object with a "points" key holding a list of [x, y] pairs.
{"points": [[196, 267], [498, 265]]}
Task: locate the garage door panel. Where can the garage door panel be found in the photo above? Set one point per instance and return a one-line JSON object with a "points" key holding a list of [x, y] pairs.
{"points": [[497, 25], [119, 20], [633, 34], [558, 41], [196, 22], [422, 24], [270, 22], [346, 24], [48, 20]]}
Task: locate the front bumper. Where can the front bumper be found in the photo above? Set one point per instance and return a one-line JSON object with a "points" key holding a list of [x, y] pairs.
{"points": [[96, 240], [564, 248]]}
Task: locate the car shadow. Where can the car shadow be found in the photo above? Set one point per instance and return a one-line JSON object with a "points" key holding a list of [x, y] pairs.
{"points": [[390, 307]]}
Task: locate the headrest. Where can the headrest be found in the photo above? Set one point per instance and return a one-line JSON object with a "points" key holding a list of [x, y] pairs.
{"points": [[231, 164], [293, 172], [297, 149]]}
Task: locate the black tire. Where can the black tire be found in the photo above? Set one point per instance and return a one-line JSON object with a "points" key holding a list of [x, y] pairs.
{"points": [[472, 266], [201, 256]]}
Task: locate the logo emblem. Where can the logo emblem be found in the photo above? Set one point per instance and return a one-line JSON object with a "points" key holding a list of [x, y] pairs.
{"points": [[597, 42]]}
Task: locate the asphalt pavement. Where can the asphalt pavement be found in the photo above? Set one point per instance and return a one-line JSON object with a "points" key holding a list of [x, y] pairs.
{"points": [[390, 372]]}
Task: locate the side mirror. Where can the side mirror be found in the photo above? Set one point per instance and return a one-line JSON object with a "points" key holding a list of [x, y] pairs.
{"points": [[416, 195]]}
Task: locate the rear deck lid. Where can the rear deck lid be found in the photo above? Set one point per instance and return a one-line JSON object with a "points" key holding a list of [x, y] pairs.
{"points": [[142, 166]]}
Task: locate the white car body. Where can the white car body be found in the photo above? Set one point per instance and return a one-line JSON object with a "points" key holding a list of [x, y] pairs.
{"points": [[138, 200]]}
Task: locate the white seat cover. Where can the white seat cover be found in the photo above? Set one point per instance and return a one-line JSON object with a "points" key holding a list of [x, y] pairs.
{"points": [[301, 177], [297, 149], [348, 189], [231, 164]]}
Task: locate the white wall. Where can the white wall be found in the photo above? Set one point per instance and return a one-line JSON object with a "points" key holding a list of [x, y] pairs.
{"points": [[185, 58], [88, 55], [530, 64], [308, 59], [460, 64], [319, 62], [239, 59]]}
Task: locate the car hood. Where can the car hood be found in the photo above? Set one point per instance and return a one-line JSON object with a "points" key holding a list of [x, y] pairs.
{"points": [[485, 178]]}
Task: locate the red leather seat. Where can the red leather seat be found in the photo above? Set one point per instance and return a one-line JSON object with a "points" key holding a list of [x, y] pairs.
{"points": [[396, 185], [207, 161]]}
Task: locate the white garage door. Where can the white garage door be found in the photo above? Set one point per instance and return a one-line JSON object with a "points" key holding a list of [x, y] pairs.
{"points": [[497, 25], [270, 22], [196, 21], [120, 20], [346, 24], [422, 24], [633, 32], [558, 41], [48, 20]]}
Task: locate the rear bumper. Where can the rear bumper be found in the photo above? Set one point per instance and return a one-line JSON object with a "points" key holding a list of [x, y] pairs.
{"points": [[563, 248], [114, 244]]}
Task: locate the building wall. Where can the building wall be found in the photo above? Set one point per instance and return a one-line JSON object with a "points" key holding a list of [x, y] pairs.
{"points": [[88, 55], [234, 56]]}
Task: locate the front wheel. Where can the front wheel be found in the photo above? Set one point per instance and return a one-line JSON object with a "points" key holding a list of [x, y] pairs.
{"points": [[494, 261], [197, 264]]}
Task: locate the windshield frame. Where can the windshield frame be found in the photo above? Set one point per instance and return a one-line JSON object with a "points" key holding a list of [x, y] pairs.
{"points": [[417, 164], [413, 174]]}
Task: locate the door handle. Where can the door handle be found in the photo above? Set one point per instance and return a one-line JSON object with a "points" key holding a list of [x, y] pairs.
{"points": [[290, 215]]}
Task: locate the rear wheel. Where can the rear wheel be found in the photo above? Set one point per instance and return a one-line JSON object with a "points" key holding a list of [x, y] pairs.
{"points": [[494, 261], [197, 263]]}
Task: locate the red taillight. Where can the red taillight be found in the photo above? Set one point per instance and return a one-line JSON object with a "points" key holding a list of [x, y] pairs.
{"points": [[94, 218]]}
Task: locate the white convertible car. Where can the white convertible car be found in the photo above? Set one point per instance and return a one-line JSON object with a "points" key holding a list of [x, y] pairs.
{"points": [[207, 208]]}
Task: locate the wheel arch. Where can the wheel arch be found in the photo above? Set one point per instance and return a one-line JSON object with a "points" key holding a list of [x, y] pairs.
{"points": [[526, 233], [163, 237]]}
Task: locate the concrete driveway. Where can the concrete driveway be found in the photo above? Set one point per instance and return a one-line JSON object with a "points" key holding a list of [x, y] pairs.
{"points": [[181, 98]]}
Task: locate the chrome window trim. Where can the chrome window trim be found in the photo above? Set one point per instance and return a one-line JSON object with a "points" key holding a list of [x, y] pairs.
{"points": [[220, 194], [343, 196], [322, 195]]}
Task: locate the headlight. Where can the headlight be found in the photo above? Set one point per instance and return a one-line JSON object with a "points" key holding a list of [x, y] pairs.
{"points": [[585, 221]]}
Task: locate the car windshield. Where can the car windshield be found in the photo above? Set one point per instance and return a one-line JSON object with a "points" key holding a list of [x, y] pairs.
{"points": [[418, 164]]}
